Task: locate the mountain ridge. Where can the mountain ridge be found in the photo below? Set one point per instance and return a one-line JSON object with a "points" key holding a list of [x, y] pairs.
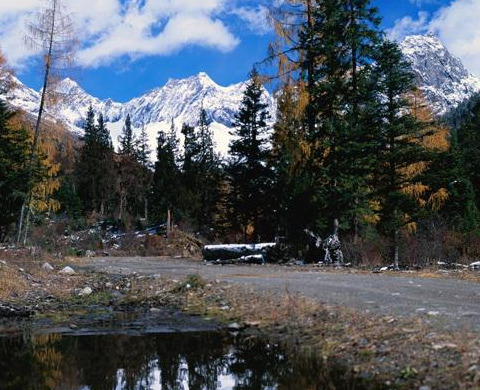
{"points": [[441, 76]]}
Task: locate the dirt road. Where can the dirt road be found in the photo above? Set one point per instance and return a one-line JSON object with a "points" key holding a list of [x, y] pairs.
{"points": [[447, 303]]}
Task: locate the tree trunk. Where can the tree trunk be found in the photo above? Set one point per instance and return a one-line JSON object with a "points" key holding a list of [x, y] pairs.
{"points": [[169, 225], [36, 135], [396, 249], [145, 210]]}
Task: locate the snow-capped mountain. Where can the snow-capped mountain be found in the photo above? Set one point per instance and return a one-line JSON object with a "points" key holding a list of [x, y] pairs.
{"points": [[179, 100], [440, 75]]}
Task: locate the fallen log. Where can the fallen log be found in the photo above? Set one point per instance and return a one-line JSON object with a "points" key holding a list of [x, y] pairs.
{"points": [[251, 259], [10, 311], [231, 252]]}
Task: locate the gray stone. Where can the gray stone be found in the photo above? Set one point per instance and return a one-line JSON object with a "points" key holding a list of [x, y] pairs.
{"points": [[47, 267], [85, 292], [234, 326], [67, 271]]}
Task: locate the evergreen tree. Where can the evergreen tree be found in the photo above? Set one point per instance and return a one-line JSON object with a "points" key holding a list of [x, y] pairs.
{"points": [[292, 192], [14, 158], [400, 155], [342, 35], [143, 150], [94, 171], [248, 173], [190, 148], [165, 191], [126, 139], [208, 175]]}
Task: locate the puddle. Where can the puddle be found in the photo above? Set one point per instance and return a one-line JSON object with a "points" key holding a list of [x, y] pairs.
{"points": [[186, 361]]}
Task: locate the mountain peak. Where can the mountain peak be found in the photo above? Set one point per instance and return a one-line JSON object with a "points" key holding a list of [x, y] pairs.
{"points": [[441, 76], [423, 43]]}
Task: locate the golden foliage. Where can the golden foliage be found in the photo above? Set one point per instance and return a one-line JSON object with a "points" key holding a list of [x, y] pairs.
{"points": [[433, 137]]}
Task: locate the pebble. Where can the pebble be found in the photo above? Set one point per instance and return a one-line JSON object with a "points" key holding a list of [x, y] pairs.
{"points": [[424, 388]]}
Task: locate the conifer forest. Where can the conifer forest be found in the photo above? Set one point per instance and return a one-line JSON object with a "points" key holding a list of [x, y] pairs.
{"points": [[352, 151]]}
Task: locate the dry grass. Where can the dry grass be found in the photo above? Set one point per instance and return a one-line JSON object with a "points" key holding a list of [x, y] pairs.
{"points": [[12, 284]]}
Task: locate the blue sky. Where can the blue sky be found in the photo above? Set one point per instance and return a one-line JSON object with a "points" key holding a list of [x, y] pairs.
{"points": [[136, 45]]}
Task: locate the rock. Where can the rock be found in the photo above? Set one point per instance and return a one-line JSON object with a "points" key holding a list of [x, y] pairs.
{"points": [[108, 285], [155, 310], [89, 253], [73, 326], [235, 326], [67, 271], [47, 267], [424, 388], [85, 292]]}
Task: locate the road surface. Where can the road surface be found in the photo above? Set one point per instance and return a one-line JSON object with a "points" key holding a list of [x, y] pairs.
{"points": [[448, 303]]}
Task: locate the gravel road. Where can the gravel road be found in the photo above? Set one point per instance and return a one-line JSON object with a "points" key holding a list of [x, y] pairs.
{"points": [[448, 304]]}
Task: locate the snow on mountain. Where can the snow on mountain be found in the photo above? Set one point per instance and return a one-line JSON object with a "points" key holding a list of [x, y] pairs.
{"points": [[179, 100], [441, 76]]}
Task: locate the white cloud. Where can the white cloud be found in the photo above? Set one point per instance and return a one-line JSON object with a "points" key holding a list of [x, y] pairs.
{"points": [[456, 25], [408, 26], [256, 18], [110, 29]]}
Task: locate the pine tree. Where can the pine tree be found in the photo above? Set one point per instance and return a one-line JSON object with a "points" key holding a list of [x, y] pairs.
{"points": [[401, 158], [126, 139], [94, 171], [143, 150], [14, 158], [133, 177], [190, 148], [343, 35], [165, 191], [208, 174], [247, 170], [292, 192]]}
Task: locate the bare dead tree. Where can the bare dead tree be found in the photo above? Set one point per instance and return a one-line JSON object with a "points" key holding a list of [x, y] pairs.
{"points": [[52, 34]]}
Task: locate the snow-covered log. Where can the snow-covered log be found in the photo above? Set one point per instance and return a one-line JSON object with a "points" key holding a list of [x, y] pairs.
{"points": [[251, 259], [232, 252]]}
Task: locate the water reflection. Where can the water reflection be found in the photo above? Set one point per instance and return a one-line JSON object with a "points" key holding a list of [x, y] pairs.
{"points": [[201, 361]]}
